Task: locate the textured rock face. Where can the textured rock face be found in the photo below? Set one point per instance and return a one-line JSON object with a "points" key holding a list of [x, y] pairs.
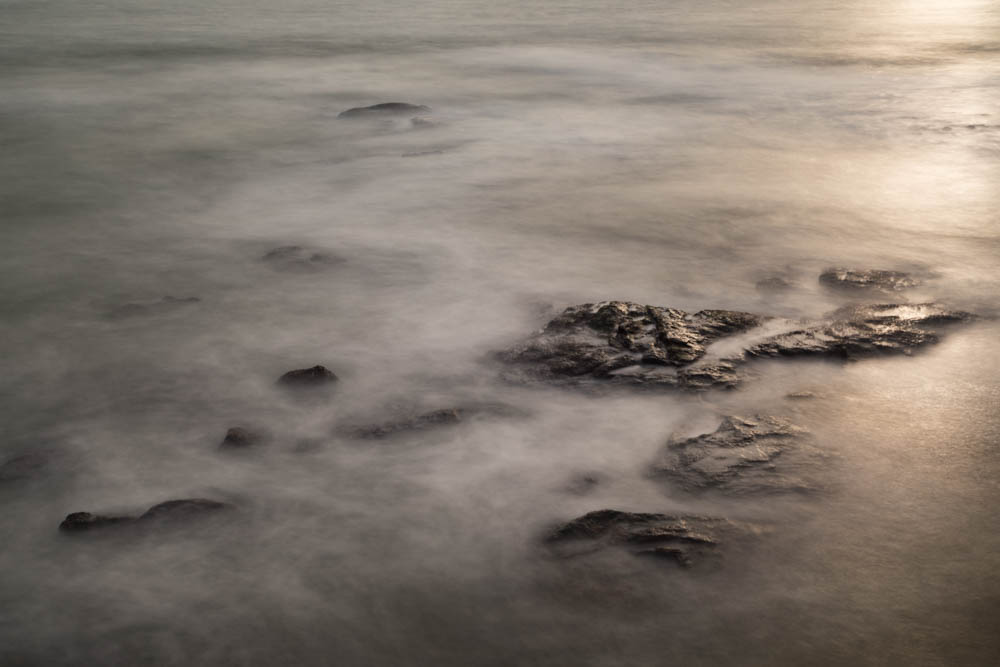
{"points": [[384, 109], [617, 342], [167, 512], [681, 539], [867, 279], [630, 343], [317, 376], [741, 455]]}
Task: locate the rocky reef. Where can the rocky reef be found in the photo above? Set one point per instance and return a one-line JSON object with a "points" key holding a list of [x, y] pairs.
{"points": [[624, 343]]}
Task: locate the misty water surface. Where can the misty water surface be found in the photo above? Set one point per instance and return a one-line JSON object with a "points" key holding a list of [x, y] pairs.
{"points": [[669, 153]]}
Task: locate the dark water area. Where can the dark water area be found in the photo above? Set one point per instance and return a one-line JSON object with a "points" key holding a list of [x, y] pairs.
{"points": [[693, 155]]}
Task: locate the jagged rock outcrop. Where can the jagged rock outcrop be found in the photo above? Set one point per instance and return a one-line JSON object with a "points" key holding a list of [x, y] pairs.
{"points": [[681, 539], [867, 279], [741, 455], [384, 109], [160, 514], [623, 343]]}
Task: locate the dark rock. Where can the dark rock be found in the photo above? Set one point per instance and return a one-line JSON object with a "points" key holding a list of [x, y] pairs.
{"points": [[862, 331], [239, 438], [800, 395], [173, 510], [739, 456], [80, 521], [384, 109], [167, 512], [317, 376], [164, 305], [681, 539], [867, 279], [622, 343], [299, 258]]}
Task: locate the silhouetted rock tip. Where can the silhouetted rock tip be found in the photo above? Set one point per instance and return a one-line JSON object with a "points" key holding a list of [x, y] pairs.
{"points": [[384, 109], [316, 376]]}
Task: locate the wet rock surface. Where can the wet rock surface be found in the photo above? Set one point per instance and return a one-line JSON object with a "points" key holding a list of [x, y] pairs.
{"points": [[680, 539], [162, 513], [623, 343], [741, 455], [384, 109], [317, 376], [867, 280]]}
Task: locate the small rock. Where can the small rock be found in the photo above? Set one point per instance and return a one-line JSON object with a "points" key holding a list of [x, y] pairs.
{"points": [[317, 376], [800, 395], [239, 438], [167, 512], [680, 539], [384, 109], [739, 456], [867, 279], [774, 284]]}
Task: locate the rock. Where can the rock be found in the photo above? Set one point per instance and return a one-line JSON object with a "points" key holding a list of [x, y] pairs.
{"points": [[681, 539], [867, 279], [774, 284], [170, 511], [239, 438], [299, 258], [800, 395], [25, 466], [583, 483], [428, 420], [862, 331], [622, 343], [317, 376], [739, 456], [166, 304], [384, 109]]}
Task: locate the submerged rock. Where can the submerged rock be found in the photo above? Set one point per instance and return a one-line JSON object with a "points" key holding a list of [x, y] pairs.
{"points": [[166, 304], [384, 109], [170, 511], [299, 258], [623, 343], [25, 466], [240, 438], [867, 279], [774, 284], [739, 456], [428, 420], [681, 539], [317, 376]]}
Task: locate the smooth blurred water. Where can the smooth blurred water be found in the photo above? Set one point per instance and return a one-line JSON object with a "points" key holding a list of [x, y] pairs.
{"points": [[671, 153]]}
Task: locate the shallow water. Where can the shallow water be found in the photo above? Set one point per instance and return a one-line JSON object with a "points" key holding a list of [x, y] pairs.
{"points": [[665, 153]]}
